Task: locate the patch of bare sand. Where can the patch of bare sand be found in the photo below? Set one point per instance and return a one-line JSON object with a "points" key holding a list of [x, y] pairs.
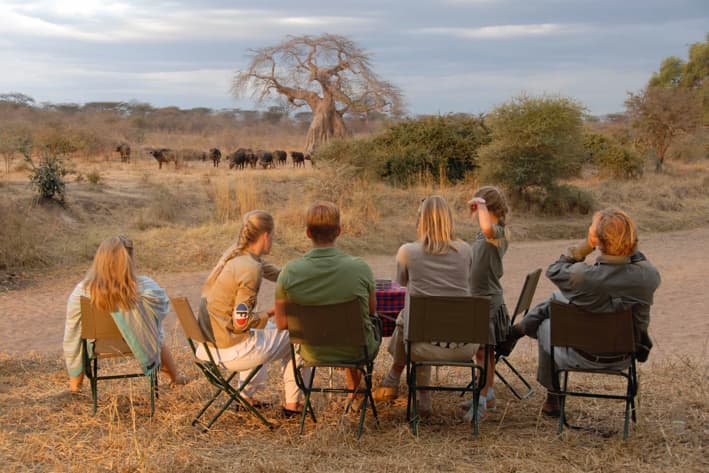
{"points": [[32, 319]]}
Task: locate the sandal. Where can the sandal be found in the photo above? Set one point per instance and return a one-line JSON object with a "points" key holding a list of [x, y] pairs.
{"points": [[290, 413]]}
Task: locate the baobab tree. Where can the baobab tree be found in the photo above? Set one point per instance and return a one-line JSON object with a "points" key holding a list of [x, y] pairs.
{"points": [[328, 73]]}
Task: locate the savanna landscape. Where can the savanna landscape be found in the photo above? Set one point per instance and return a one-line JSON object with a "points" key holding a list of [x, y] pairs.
{"points": [[65, 187]]}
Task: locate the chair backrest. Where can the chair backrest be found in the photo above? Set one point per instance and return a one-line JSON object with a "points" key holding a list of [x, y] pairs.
{"points": [[449, 319], [331, 325], [97, 324], [187, 319], [596, 333], [527, 293]]}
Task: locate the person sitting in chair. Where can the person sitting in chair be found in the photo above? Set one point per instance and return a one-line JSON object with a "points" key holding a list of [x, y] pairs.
{"points": [[325, 275], [138, 306], [437, 264], [621, 278]]}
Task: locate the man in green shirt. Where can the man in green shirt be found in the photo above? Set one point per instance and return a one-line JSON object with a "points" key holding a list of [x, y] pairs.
{"points": [[325, 275]]}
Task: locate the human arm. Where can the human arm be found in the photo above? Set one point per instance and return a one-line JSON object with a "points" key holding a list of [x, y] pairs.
{"points": [[281, 319], [402, 270], [270, 271], [478, 208]]}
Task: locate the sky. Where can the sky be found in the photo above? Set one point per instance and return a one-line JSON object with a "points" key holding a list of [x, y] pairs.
{"points": [[445, 55]]}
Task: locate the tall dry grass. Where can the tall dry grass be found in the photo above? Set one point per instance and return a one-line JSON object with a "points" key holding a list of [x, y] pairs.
{"points": [[44, 428]]}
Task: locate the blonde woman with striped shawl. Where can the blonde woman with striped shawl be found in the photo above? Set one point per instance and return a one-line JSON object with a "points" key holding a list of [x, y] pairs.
{"points": [[138, 306], [243, 338]]}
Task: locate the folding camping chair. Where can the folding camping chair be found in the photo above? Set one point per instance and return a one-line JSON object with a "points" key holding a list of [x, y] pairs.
{"points": [[604, 337], [210, 368], [452, 320], [523, 303], [101, 339], [330, 325]]}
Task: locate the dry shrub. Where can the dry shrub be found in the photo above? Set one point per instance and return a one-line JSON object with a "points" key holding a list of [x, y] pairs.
{"points": [[23, 235], [163, 208], [47, 429]]}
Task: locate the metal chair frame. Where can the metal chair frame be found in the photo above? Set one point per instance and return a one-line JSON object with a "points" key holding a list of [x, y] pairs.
{"points": [[330, 325], [610, 334], [523, 304], [453, 320], [100, 338], [211, 370]]}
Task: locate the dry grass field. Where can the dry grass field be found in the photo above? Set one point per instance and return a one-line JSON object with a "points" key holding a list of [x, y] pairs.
{"points": [[181, 220]]}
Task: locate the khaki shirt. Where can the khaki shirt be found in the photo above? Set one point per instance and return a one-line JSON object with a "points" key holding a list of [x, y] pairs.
{"points": [[238, 283]]}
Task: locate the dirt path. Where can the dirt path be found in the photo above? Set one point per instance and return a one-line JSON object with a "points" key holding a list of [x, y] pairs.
{"points": [[32, 319]]}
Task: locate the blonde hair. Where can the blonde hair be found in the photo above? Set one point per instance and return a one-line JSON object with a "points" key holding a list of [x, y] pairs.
{"points": [[495, 202], [323, 221], [615, 231], [254, 224], [435, 225], [111, 280]]}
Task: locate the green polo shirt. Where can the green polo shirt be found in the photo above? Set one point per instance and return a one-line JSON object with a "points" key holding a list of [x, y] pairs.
{"points": [[329, 276]]}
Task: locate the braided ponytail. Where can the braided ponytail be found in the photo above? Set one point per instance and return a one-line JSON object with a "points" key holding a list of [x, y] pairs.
{"points": [[255, 223]]}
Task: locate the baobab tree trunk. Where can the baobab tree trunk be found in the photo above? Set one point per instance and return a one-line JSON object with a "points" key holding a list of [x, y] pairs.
{"points": [[327, 123]]}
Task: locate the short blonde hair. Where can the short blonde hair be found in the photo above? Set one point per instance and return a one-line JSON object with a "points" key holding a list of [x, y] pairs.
{"points": [[615, 231], [435, 225], [111, 280], [323, 221]]}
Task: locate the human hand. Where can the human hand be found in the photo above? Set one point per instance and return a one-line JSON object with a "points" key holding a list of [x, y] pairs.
{"points": [[271, 312], [475, 202], [579, 251]]}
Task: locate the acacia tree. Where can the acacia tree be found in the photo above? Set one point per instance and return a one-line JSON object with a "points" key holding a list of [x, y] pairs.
{"points": [[328, 73], [660, 114]]}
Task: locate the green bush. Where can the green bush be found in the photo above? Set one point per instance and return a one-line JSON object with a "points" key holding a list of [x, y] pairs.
{"points": [[618, 162], [535, 142], [565, 199], [47, 178], [443, 148]]}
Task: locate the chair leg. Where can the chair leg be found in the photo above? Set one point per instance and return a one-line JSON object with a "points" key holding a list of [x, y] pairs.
{"points": [[519, 396], [94, 383], [152, 382], [562, 403], [412, 394], [307, 406], [368, 383], [476, 403]]}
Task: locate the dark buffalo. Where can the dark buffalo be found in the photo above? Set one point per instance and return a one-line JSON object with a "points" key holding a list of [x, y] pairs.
{"points": [[215, 155], [124, 150], [298, 159], [280, 157], [164, 155], [265, 159], [251, 158], [237, 159]]}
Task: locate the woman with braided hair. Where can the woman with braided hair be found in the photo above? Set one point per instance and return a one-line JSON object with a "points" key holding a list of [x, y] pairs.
{"points": [[242, 338]]}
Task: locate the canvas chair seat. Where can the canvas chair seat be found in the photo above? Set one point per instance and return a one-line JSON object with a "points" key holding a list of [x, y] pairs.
{"points": [[101, 339], [331, 325], [608, 334], [211, 369], [452, 320]]}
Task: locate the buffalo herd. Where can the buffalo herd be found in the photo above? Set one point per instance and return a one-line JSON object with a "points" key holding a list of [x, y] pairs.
{"points": [[239, 159]]}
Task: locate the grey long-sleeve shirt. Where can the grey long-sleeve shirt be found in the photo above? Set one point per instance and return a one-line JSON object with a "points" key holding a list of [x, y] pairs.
{"points": [[612, 284]]}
